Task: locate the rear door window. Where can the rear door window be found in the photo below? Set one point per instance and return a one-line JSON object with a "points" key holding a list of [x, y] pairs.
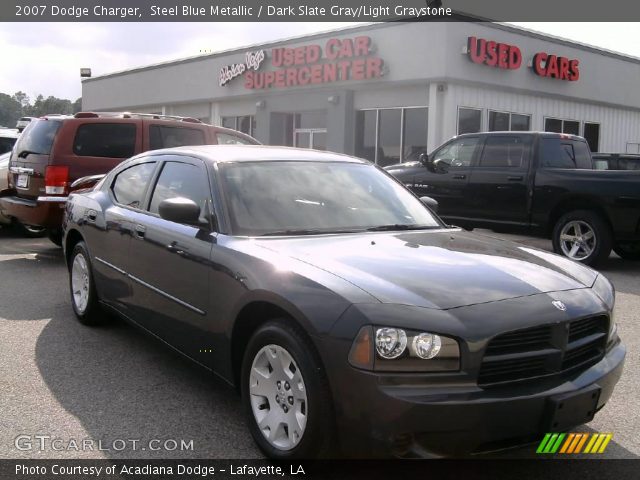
{"points": [[561, 153], [130, 185], [504, 152], [161, 136], [38, 137], [226, 139], [112, 140]]}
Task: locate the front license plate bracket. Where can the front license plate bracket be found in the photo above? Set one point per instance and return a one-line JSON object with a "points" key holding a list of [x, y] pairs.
{"points": [[571, 409]]}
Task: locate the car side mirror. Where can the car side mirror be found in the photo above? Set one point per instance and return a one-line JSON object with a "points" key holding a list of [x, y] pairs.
{"points": [[180, 210], [432, 203]]}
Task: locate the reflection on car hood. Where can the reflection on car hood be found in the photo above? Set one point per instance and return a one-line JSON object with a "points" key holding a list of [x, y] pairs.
{"points": [[435, 269]]}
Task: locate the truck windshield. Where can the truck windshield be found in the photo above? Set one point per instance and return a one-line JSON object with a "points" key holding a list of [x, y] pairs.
{"points": [[304, 198]]}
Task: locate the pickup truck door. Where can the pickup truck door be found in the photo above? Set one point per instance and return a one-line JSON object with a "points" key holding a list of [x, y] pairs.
{"points": [[498, 190], [446, 176]]}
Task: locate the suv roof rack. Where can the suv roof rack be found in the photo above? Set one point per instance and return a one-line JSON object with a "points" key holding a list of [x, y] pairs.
{"points": [[155, 116]]}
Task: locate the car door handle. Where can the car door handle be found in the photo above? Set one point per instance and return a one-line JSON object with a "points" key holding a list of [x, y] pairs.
{"points": [[515, 178], [173, 248], [459, 177], [140, 231]]}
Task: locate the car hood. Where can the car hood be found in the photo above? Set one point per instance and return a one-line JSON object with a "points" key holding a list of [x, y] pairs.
{"points": [[405, 171], [435, 269]]}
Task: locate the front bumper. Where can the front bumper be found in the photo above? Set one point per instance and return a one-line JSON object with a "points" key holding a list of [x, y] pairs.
{"points": [[389, 414], [44, 212]]}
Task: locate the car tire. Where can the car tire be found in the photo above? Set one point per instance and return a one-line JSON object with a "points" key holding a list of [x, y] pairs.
{"points": [[30, 231], [55, 236], [628, 251], [583, 236], [300, 413], [84, 298]]}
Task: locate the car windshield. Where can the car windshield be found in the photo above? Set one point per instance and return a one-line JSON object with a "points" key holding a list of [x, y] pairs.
{"points": [[305, 198]]}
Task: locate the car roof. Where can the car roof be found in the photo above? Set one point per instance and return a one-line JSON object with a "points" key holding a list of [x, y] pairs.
{"points": [[252, 153], [8, 133], [523, 132]]}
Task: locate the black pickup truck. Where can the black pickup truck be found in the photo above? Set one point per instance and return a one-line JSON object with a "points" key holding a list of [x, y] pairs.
{"points": [[543, 183]]}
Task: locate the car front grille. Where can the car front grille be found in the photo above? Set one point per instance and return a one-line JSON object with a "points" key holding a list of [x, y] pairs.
{"points": [[544, 350]]}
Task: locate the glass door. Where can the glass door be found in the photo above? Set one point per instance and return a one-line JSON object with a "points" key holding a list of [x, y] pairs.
{"points": [[310, 138]]}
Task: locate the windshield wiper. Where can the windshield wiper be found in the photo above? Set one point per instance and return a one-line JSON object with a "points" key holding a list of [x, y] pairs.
{"points": [[309, 231], [402, 226], [26, 153]]}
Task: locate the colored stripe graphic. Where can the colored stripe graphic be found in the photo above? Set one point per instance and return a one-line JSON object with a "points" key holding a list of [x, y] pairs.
{"points": [[573, 443]]}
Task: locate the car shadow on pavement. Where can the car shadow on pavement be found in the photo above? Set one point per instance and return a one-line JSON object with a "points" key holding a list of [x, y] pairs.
{"points": [[122, 384]]}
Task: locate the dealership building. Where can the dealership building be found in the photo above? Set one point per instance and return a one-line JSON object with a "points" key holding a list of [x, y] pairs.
{"points": [[389, 91]]}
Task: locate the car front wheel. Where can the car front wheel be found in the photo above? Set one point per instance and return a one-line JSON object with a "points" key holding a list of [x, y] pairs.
{"points": [[285, 394], [582, 236], [83, 292]]}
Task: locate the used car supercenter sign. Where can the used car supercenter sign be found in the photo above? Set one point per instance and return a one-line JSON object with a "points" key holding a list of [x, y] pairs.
{"points": [[336, 60], [503, 55]]}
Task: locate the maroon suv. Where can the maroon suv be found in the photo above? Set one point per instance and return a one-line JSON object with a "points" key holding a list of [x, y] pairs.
{"points": [[54, 151]]}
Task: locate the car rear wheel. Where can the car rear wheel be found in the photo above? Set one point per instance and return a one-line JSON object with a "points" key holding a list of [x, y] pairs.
{"points": [[582, 236], [628, 251], [31, 231], [285, 394], [83, 292]]}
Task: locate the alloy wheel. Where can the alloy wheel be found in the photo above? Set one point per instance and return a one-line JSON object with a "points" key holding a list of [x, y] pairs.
{"points": [[577, 240], [80, 282], [278, 397]]}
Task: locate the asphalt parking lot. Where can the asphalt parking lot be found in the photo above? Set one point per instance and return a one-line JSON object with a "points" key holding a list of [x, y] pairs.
{"points": [[128, 396]]}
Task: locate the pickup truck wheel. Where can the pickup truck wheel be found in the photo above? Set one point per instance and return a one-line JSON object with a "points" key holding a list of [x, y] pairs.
{"points": [[628, 251], [582, 236]]}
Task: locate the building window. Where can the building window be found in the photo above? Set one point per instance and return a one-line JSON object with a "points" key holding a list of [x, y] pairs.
{"points": [[469, 120], [591, 133], [633, 147], [245, 124], [506, 121], [556, 125], [391, 135]]}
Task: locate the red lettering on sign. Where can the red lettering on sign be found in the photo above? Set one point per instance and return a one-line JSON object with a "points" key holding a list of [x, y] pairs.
{"points": [[494, 54]]}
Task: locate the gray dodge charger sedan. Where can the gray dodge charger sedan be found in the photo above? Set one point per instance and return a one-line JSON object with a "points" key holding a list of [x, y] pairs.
{"points": [[350, 318]]}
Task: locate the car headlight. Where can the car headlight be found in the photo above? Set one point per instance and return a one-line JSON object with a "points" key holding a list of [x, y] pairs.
{"points": [[604, 289], [396, 349]]}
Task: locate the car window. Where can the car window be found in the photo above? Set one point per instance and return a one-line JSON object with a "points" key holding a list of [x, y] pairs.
{"points": [[161, 136], [113, 140], [182, 180], [561, 153], [506, 151], [6, 144], [455, 154], [129, 185], [629, 163], [38, 136], [267, 197], [226, 139]]}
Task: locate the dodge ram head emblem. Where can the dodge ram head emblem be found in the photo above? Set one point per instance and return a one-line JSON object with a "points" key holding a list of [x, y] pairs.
{"points": [[559, 305]]}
